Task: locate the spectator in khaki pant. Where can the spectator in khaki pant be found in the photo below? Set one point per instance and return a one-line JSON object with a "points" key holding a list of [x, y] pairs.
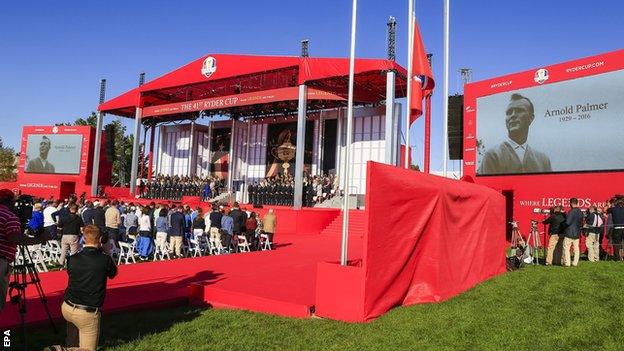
{"points": [[594, 223], [71, 227], [572, 233], [88, 271], [176, 233], [554, 221]]}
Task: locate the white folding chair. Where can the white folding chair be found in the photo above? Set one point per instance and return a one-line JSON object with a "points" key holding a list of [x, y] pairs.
{"points": [[162, 251], [194, 248], [126, 253], [216, 248], [38, 258], [242, 244], [55, 250], [265, 243]]}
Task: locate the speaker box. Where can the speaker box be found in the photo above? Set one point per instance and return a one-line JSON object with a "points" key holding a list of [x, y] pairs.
{"points": [[456, 127]]}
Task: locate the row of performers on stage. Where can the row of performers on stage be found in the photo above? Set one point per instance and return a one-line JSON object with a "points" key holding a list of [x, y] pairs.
{"points": [[280, 190], [166, 187]]}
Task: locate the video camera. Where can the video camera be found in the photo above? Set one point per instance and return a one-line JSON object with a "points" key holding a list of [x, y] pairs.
{"points": [[23, 208]]}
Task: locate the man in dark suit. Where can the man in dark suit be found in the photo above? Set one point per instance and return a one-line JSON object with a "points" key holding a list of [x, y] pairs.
{"points": [[41, 164], [239, 217], [572, 233], [514, 155]]}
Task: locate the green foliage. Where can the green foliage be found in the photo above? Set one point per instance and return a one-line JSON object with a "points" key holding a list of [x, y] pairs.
{"points": [[8, 165], [535, 308]]}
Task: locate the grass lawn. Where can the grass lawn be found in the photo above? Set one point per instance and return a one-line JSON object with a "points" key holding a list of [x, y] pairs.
{"points": [[536, 308]]}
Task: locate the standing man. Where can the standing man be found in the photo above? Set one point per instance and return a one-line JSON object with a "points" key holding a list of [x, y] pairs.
{"points": [[514, 155], [617, 234], [269, 223], [71, 227], [49, 224], [594, 230], [574, 222], [239, 218], [11, 235], [88, 272], [176, 231], [112, 219], [555, 222], [215, 224]]}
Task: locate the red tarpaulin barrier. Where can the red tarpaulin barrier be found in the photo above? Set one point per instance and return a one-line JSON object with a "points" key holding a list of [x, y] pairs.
{"points": [[429, 238]]}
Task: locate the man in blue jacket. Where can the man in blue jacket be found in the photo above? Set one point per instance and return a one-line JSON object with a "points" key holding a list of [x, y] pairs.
{"points": [[574, 222], [176, 231]]}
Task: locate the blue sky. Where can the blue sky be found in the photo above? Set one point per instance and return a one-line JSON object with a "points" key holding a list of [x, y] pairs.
{"points": [[54, 52]]}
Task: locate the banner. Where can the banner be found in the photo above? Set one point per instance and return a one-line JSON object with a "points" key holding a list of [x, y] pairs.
{"points": [[567, 126], [282, 146], [220, 151]]}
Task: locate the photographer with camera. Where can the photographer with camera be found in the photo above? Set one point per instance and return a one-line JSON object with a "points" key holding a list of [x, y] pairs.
{"points": [[555, 229], [11, 235], [88, 273]]}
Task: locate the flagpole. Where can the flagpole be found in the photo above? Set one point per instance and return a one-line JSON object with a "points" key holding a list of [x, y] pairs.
{"points": [[410, 54], [345, 203], [445, 88]]}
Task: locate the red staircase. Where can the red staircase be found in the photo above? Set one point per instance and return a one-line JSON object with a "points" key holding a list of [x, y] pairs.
{"points": [[357, 224]]}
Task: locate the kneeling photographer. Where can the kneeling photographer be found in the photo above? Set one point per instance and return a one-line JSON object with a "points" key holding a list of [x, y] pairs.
{"points": [[11, 235], [88, 271]]}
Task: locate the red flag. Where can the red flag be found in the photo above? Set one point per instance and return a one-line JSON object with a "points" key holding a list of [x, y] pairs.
{"points": [[422, 78]]}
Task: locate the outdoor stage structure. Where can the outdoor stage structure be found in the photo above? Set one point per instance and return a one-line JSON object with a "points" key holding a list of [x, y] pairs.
{"points": [[271, 103], [574, 145]]}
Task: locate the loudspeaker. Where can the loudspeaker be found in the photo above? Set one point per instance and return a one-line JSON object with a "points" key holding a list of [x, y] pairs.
{"points": [[110, 142], [456, 126]]}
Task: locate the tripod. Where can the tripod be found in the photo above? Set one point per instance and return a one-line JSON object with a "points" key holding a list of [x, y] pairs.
{"points": [[528, 253], [24, 274]]}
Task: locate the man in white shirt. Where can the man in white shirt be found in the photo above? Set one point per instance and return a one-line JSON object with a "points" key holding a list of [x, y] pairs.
{"points": [[49, 220]]}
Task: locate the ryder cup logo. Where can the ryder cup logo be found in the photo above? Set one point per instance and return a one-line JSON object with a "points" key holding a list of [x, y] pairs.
{"points": [[55, 129], [541, 75], [209, 67]]}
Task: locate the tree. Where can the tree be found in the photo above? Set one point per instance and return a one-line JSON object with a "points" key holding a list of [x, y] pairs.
{"points": [[8, 164]]}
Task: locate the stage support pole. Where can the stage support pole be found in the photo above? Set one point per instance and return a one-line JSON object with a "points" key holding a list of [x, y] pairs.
{"points": [[388, 129], [135, 151], [319, 146], [445, 88], [192, 141], [247, 150], [230, 181], [345, 206], [299, 153], [397, 135], [98, 141], [159, 148], [210, 127], [339, 167], [150, 157]]}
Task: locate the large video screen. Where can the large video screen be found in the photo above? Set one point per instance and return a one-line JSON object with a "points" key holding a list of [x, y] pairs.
{"points": [[53, 153], [571, 126]]}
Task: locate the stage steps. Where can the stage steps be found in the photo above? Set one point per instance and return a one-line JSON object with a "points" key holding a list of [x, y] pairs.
{"points": [[357, 224], [202, 293]]}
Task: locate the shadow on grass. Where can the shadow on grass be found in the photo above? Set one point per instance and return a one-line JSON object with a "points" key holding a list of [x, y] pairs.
{"points": [[116, 328]]}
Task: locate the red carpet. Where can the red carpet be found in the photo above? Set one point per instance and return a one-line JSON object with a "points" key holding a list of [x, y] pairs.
{"points": [[279, 282]]}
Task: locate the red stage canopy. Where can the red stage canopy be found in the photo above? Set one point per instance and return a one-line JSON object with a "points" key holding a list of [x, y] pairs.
{"points": [[221, 75]]}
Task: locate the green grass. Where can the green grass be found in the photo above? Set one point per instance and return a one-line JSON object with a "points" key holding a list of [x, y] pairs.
{"points": [[536, 308]]}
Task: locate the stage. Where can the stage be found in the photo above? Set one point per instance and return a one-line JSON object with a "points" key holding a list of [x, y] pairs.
{"points": [[280, 282]]}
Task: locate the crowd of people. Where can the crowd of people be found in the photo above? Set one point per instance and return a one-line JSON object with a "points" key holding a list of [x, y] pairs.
{"points": [[595, 224], [148, 226], [279, 190], [164, 187]]}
